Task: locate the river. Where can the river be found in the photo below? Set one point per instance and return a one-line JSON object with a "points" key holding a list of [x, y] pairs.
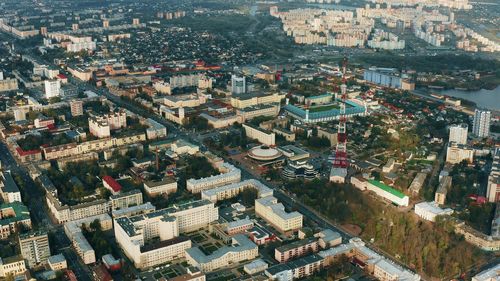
{"points": [[483, 98]]}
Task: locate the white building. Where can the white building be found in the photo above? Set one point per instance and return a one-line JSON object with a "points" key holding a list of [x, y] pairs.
{"points": [[458, 133], [12, 266], [274, 213], [228, 174], [8, 189], [430, 210], [238, 85], [491, 274], [493, 187], [232, 190], [134, 233], [52, 88], [57, 262], [481, 125], [240, 249], [382, 190]]}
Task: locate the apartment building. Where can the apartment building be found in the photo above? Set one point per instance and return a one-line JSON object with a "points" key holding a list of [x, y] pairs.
{"points": [[458, 133], [73, 230], [232, 190], [442, 190], [101, 126], [493, 187], [8, 188], [241, 249], [163, 226], [274, 213], [57, 262], [76, 107], [228, 174], [296, 249], [34, 247], [296, 269], [126, 199]]}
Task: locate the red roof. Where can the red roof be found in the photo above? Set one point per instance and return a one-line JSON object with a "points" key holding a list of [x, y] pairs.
{"points": [[112, 183], [22, 152], [62, 76]]}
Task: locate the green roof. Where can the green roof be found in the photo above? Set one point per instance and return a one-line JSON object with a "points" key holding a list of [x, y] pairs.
{"points": [[387, 188], [20, 210]]}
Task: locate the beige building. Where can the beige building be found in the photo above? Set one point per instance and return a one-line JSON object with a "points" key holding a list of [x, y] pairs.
{"points": [[14, 266], [242, 101], [456, 153], [251, 112], [57, 262], [64, 213], [228, 174], [11, 215], [241, 249], [262, 136], [8, 85], [76, 107], [232, 190], [126, 199], [442, 190], [35, 248], [156, 188], [274, 213], [161, 229]]}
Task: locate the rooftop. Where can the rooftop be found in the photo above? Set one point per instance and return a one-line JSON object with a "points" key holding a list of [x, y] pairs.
{"points": [[387, 188], [240, 243]]}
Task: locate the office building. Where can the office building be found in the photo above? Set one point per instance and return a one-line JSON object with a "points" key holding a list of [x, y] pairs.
{"points": [[241, 249], [76, 107], [274, 213], [238, 85], [481, 124], [8, 188], [35, 248], [153, 238], [52, 88], [458, 133]]}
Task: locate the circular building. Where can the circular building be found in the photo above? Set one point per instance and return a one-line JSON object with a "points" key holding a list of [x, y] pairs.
{"points": [[264, 153]]}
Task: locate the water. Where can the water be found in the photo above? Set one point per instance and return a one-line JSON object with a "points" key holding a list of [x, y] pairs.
{"points": [[483, 98]]}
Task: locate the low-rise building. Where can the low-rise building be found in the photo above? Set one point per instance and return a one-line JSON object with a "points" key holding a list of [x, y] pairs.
{"points": [[232, 190], [442, 190], [490, 274], [456, 153], [240, 249], [228, 174], [296, 249], [126, 199], [274, 213], [12, 215], [296, 269], [430, 210], [255, 266], [417, 183], [12, 266], [164, 187], [382, 190], [57, 262]]}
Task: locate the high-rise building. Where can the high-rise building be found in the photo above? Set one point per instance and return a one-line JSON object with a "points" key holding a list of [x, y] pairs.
{"points": [[35, 247], [76, 107], [458, 133], [238, 84], [52, 88], [481, 126], [493, 186]]}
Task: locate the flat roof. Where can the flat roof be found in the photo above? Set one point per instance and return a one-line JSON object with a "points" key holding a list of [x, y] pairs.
{"points": [[296, 244], [387, 188], [9, 183]]}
